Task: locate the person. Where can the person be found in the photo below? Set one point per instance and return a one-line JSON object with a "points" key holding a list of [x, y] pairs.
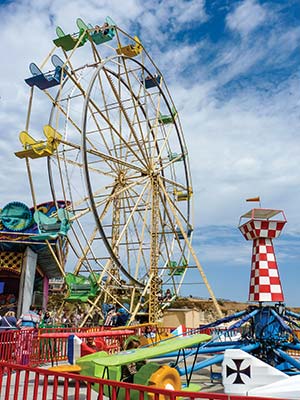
{"points": [[76, 319], [132, 342], [110, 318], [129, 370], [9, 321], [47, 320], [90, 343], [29, 319], [103, 29], [148, 333], [168, 295], [122, 317], [65, 320]]}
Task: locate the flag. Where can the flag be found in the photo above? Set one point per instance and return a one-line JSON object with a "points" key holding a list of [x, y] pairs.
{"points": [[179, 331], [74, 348], [254, 199]]}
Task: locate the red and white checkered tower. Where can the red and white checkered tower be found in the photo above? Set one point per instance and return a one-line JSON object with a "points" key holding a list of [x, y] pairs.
{"points": [[262, 228]]}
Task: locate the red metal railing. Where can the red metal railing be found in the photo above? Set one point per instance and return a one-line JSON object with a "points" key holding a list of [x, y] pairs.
{"points": [[22, 382], [26, 347], [18, 346], [48, 329]]}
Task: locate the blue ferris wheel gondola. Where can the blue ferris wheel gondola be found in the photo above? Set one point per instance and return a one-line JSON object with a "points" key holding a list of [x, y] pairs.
{"points": [[48, 79]]}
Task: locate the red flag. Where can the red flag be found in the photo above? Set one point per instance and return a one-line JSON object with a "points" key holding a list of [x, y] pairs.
{"points": [[254, 199]]}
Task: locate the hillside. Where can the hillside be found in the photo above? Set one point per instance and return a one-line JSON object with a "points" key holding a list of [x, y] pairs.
{"points": [[204, 306], [207, 307]]}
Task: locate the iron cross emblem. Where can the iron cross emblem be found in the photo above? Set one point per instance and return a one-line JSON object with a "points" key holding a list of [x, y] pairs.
{"points": [[238, 371]]}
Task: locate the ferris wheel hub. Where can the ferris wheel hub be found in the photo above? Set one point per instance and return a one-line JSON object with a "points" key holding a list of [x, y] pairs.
{"points": [[121, 178]]}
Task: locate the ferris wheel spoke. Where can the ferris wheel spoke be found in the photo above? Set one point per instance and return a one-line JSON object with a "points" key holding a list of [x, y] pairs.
{"points": [[56, 103], [71, 148], [136, 105], [130, 216], [79, 165], [93, 104], [106, 106], [87, 249], [153, 119], [108, 122], [105, 156], [68, 118], [140, 228], [106, 199], [107, 116], [167, 201], [174, 184], [164, 144], [134, 99], [97, 130]]}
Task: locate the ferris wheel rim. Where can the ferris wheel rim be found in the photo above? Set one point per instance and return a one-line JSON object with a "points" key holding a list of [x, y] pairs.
{"points": [[177, 131]]}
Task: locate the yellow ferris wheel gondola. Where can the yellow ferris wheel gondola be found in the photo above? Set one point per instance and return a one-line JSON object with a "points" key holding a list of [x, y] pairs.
{"points": [[131, 50]]}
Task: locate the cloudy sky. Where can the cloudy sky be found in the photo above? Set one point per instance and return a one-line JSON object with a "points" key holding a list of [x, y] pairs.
{"points": [[233, 70]]}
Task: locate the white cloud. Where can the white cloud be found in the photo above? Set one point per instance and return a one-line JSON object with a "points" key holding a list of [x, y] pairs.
{"points": [[246, 17], [187, 12]]}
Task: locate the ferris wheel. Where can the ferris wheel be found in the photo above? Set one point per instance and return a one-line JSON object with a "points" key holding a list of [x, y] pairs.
{"points": [[116, 156]]}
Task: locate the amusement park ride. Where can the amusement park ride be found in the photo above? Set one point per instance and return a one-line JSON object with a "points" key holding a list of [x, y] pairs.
{"points": [[117, 165], [255, 360]]}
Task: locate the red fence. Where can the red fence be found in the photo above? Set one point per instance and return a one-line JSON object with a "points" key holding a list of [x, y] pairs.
{"points": [[26, 347], [72, 330], [21, 382], [18, 346]]}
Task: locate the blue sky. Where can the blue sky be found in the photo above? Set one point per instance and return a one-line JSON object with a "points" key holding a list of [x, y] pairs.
{"points": [[233, 70]]}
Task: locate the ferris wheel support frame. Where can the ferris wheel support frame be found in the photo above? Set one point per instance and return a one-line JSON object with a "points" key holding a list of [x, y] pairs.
{"points": [[186, 239], [154, 256]]}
